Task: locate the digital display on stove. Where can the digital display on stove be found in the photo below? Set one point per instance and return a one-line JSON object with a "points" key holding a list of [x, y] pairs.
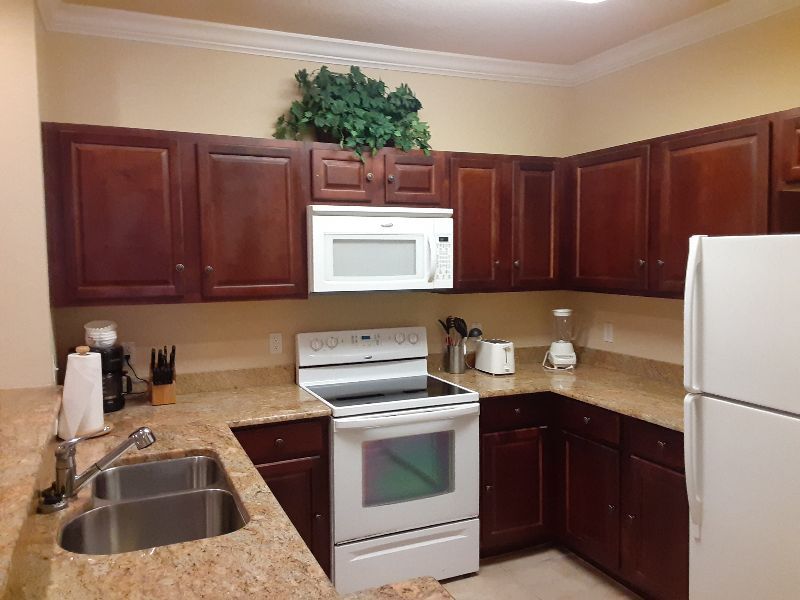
{"points": [[385, 390], [365, 337]]}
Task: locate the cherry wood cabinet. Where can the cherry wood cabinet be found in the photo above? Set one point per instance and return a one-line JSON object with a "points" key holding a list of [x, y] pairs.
{"points": [[591, 499], [390, 177], [785, 208], [115, 215], [655, 512], [788, 142], [480, 222], [251, 207], [534, 238], [293, 459], [715, 182], [608, 223]]}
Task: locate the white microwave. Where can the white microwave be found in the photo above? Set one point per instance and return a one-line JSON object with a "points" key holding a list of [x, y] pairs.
{"points": [[371, 248]]}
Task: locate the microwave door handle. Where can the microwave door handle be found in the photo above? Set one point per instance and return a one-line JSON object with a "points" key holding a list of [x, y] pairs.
{"points": [[427, 416], [432, 259]]}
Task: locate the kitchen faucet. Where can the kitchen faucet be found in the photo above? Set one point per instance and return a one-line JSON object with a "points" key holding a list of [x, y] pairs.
{"points": [[67, 482]]}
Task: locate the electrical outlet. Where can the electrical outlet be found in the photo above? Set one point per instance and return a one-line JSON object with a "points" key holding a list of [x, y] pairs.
{"points": [[275, 343], [608, 333], [129, 348]]}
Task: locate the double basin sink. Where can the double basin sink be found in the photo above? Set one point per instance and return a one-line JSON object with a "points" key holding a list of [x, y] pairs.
{"points": [[153, 504]]}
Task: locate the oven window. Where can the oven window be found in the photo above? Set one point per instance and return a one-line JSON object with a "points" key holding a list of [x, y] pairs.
{"points": [[408, 468], [374, 257]]}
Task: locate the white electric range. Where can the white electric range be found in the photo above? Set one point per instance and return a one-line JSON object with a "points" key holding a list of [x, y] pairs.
{"points": [[404, 457]]}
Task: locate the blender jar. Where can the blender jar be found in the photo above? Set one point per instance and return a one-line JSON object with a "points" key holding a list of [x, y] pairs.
{"points": [[562, 324]]}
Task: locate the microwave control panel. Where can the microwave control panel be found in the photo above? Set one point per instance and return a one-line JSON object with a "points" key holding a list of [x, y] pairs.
{"points": [[444, 252]]}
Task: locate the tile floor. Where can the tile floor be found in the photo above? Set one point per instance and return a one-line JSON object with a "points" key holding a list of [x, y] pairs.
{"points": [[539, 574]]}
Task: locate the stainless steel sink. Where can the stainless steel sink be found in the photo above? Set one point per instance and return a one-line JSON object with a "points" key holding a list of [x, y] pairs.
{"points": [[144, 480], [150, 522]]}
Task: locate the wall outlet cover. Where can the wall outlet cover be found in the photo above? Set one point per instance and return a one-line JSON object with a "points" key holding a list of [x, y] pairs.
{"points": [[275, 343], [129, 348], [608, 332]]}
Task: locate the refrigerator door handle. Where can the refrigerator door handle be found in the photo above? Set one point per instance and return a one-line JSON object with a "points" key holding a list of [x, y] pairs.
{"points": [[693, 467], [689, 350]]}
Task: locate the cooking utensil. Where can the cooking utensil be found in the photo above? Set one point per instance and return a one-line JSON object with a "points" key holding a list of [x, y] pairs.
{"points": [[460, 325]]}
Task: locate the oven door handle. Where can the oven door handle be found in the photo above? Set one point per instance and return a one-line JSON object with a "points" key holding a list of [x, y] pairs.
{"points": [[423, 416]]}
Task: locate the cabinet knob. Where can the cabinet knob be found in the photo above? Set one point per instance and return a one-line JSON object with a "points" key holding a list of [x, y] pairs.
{"points": [[497, 263], [179, 267], [370, 176], [662, 444], [517, 411], [660, 262], [488, 488], [611, 508], [642, 262], [279, 442], [390, 179], [587, 420], [318, 517], [631, 517], [516, 264], [209, 269]]}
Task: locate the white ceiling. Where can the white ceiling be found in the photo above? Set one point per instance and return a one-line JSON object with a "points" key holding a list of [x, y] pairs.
{"points": [[547, 31]]}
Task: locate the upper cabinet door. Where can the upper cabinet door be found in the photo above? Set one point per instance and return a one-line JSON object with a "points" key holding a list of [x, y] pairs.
{"points": [[714, 183], [340, 176], [251, 222], [609, 204], [415, 179], [479, 217], [117, 206], [534, 224], [790, 147]]}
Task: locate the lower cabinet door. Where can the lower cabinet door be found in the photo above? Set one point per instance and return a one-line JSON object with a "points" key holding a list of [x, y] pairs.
{"points": [[655, 529], [301, 487], [591, 499], [515, 507]]}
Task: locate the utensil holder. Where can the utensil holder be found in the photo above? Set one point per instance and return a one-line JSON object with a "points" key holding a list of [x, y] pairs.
{"points": [[162, 394], [454, 359]]}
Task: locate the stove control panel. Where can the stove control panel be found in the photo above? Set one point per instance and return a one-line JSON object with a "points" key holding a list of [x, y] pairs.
{"points": [[363, 345]]}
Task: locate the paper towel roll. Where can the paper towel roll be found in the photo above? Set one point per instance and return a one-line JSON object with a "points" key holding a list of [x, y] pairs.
{"points": [[82, 399]]}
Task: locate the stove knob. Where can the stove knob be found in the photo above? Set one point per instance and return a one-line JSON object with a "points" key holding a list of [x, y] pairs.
{"points": [[413, 338], [316, 345], [332, 342], [399, 338]]}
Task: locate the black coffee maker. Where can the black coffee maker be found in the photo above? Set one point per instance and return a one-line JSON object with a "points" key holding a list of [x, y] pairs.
{"points": [[112, 360]]}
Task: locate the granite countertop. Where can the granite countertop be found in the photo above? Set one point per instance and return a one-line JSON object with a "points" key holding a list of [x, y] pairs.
{"points": [[266, 558]]}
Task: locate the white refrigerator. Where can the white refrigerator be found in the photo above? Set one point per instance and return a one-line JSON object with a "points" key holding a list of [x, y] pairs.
{"points": [[742, 416]]}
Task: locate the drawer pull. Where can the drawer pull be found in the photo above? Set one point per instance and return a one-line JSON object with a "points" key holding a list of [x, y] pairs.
{"points": [[631, 517], [587, 420], [517, 411], [611, 508], [488, 488], [279, 442], [662, 444], [318, 517]]}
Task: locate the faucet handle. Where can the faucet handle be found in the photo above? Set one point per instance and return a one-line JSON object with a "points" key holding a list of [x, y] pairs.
{"points": [[68, 447]]}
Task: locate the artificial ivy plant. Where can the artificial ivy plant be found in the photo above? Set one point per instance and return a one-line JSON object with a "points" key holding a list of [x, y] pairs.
{"points": [[355, 111]]}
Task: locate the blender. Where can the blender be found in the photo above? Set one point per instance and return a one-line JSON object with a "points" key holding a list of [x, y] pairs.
{"points": [[561, 355]]}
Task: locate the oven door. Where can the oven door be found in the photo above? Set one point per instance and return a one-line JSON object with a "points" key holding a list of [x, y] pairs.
{"points": [[399, 471]]}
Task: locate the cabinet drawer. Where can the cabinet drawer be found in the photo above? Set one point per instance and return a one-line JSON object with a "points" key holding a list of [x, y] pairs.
{"points": [[657, 444], [283, 441], [515, 412], [590, 422]]}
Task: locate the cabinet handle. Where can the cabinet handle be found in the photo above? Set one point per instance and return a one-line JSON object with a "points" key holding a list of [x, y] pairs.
{"points": [[631, 517], [517, 411], [390, 179], [516, 264], [279, 442], [660, 262], [611, 508], [318, 517], [662, 444], [587, 420], [642, 262], [370, 176], [488, 488], [496, 263], [179, 267], [209, 269]]}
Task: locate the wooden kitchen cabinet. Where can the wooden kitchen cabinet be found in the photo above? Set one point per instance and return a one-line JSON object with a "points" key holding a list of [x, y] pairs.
{"points": [[788, 146], [590, 503], [655, 512], [481, 222], [713, 182], [252, 221], [608, 219], [115, 214], [294, 461], [390, 177]]}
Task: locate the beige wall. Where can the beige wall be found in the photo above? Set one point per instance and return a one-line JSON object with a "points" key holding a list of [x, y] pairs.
{"points": [[26, 352], [746, 72], [94, 80]]}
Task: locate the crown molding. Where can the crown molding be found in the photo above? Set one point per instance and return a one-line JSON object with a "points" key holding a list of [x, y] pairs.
{"points": [[60, 16]]}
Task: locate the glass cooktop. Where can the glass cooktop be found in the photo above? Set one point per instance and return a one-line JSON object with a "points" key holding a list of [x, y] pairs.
{"points": [[385, 390]]}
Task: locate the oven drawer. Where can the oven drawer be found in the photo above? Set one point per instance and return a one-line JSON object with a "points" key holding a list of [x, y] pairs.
{"points": [[443, 551], [591, 422], [282, 441]]}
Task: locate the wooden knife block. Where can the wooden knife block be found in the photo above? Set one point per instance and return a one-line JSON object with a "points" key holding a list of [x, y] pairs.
{"points": [[162, 394]]}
